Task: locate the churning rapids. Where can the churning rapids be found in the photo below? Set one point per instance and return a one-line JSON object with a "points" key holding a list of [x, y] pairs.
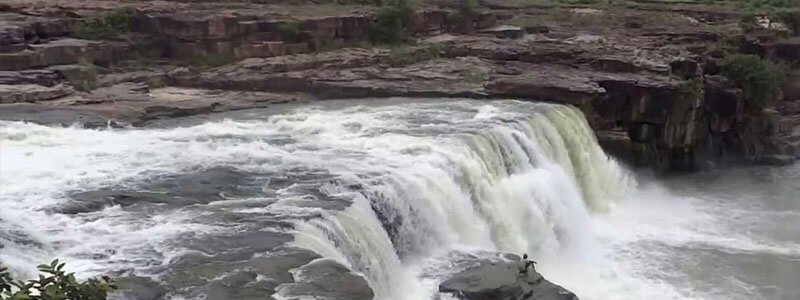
{"points": [[395, 190]]}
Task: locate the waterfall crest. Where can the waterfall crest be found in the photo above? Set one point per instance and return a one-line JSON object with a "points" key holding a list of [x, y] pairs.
{"points": [[525, 183]]}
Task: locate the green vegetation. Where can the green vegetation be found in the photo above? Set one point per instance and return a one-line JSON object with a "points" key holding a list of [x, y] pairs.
{"points": [[691, 89], [54, 284], [107, 26], [391, 24], [405, 55], [759, 79], [290, 30]]}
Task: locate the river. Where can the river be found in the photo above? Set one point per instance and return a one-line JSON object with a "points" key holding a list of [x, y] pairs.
{"points": [[395, 190]]}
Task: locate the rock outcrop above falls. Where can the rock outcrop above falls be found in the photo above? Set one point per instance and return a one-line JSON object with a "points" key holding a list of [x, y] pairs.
{"points": [[490, 279], [647, 75]]}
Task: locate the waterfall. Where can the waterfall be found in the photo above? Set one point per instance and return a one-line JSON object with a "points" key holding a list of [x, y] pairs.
{"points": [[526, 183], [417, 180], [404, 192]]}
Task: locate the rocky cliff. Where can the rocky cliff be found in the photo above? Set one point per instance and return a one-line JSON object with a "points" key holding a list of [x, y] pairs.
{"points": [[646, 74]]}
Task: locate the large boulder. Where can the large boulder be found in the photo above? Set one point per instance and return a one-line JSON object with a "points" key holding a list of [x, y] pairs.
{"points": [[491, 279]]}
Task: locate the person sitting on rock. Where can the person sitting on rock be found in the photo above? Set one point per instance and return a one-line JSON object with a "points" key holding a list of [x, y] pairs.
{"points": [[525, 264]]}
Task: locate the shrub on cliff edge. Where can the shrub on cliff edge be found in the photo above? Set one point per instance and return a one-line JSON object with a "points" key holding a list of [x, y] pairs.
{"points": [[392, 21], [54, 284], [759, 79], [106, 26]]}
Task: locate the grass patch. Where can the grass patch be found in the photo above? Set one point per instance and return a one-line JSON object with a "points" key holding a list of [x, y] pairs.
{"points": [[106, 26]]}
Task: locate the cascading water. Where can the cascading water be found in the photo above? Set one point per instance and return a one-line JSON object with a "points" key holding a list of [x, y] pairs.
{"points": [[395, 190], [523, 182]]}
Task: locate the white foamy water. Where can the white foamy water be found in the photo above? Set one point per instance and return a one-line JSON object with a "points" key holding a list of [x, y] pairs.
{"points": [[427, 180]]}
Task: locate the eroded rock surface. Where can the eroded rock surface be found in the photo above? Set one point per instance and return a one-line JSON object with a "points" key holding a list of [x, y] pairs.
{"points": [[499, 279]]}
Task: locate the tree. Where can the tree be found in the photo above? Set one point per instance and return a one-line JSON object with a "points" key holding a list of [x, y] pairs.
{"points": [[759, 79]]}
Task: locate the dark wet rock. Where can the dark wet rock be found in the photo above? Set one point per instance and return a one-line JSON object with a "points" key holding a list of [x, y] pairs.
{"points": [[250, 241], [685, 68], [171, 191], [94, 201], [722, 97], [617, 144], [500, 280], [327, 279], [241, 284], [138, 288], [724, 103], [225, 277]]}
